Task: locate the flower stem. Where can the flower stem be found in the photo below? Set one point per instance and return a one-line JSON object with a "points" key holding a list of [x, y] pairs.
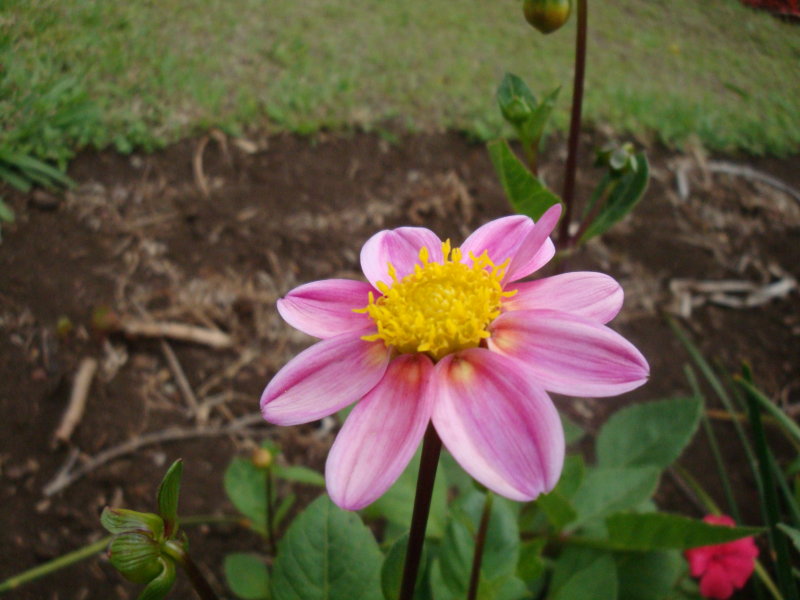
{"points": [[431, 448], [568, 194], [200, 584], [480, 540], [270, 516]]}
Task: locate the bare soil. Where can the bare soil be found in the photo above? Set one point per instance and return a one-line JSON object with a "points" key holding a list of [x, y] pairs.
{"points": [[210, 232]]}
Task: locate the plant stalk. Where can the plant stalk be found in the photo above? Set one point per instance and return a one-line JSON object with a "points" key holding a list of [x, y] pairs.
{"points": [[431, 448], [196, 577], [480, 541], [270, 516], [568, 195]]}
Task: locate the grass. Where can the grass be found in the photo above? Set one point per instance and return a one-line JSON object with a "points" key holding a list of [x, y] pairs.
{"points": [[141, 74]]}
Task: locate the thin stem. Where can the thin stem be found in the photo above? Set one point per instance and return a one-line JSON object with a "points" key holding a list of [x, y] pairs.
{"points": [[431, 447], [270, 514], [198, 580], [568, 194], [54, 565], [480, 540], [767, 581]]}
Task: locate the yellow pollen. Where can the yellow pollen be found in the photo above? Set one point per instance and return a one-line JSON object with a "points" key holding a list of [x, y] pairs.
{"points": [[440, 308]]}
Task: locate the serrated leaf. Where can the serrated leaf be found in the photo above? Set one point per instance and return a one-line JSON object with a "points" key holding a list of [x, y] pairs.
{"points": [[662, 531], [586, 574], [397, 504], [122, 520], [168, 493], [159, 587], [299, 474], [247, 576], [650, 434], [647, 576], [246, 486], [609, 490], [327, 554], [136, 555], [624, 197], [526, 194]]}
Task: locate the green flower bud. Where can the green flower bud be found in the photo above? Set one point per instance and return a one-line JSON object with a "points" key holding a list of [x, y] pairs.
{"points": [[547, 15], [262, 458], [137, 556]]}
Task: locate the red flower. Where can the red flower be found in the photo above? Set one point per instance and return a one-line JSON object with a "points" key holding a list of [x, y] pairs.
{"points": [[725, 567]]}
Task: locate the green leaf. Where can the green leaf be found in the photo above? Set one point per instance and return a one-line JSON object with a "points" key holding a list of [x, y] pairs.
{"points": [[647, 576], [137, 556], [526, 194], [159, 587], [557, 505], [572, 431], [501, 548], [168, 493], [393, 565], [299, 474], [6, 214], [247, 576], [586, 574], [609, 490], [628, 190], [662, 531], [533, 128], [246, 486], [122, 520], [531, 567], [397, 504], [651, 434], [283, 509], [792, 533], [14, 179], [327, 554]]}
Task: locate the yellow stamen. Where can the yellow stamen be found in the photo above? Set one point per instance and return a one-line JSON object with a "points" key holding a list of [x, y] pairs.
{"points": [[440, 308]]}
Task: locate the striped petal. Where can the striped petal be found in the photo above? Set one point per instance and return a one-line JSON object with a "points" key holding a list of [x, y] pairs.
{"points": [[501, 427], [568, 354], [401, 247], [325, 378], [594, 296], [502, 238], [324, 308], [381, 434], [524, 260]]}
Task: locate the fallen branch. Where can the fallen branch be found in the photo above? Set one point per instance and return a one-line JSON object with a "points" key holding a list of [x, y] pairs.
{"points": [[180, 376], [176, 331], [750, 173], [77, 401], [67, 476]]}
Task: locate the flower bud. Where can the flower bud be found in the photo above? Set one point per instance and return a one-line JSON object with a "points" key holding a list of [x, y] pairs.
{"points": [[262, 458], [547, 15]]}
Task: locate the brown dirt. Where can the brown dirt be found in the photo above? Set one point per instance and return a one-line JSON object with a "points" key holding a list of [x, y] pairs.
{"points": [[138, 237]]}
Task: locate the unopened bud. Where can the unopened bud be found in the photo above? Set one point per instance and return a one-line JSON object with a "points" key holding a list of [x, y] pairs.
{"points": [[547, 15], [262, 458]]}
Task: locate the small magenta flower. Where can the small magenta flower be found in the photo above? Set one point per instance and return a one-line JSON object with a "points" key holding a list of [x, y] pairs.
{"points": [[453, 337], [722, 568]]}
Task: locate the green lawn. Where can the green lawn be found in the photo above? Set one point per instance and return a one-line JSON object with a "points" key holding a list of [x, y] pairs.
{"points": [[143, 73]]}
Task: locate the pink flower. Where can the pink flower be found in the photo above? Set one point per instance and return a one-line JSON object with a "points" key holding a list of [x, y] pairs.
{"points": [[452, 336], [725, 567]]}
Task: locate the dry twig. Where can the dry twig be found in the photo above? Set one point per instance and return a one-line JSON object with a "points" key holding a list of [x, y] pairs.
{"points": [[176, 331], [67, 476], [180, 376], [750, 173], [77, 401]]}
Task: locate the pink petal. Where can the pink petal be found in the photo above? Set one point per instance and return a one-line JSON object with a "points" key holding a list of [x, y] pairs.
{"points": [[568, 354], [524, 260], [738, 568], [324, 378], [501, 239], [594, 296], [716, 584], [699, 559], [381, 434], [324, 309], [400, 247], [499, 425]]}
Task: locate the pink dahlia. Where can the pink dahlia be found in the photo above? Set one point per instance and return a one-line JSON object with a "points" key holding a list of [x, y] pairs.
{"points": [[453, 337], [722, 568]]}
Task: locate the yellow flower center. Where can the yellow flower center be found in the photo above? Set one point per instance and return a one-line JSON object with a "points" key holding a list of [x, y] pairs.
{"points": [[441, 307]]}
